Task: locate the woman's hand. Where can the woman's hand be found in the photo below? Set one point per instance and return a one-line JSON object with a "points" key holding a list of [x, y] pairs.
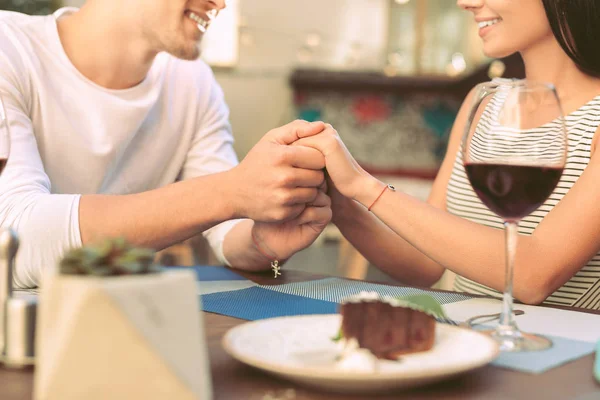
{"points": [[347, 175]]}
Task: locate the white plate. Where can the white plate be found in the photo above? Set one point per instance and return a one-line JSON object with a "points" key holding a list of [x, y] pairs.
{"points": [[300, 349]]}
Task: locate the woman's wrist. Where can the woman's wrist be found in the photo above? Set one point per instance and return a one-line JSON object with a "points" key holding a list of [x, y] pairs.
{"points": [[369, 189], [343, 208]]}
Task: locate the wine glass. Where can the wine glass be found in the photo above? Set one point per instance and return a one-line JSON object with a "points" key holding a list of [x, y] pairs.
{"points": [[514, 152]]}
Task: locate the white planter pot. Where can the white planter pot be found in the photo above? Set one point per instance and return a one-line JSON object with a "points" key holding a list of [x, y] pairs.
{"points": [[128, 337]]}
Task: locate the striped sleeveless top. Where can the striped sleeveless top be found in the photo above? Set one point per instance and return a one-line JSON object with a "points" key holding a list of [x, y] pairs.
{"points": [[583, 289]]}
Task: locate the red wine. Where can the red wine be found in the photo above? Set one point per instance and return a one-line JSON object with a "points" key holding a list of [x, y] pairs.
{"points": [[2, 164], [512, 191]]}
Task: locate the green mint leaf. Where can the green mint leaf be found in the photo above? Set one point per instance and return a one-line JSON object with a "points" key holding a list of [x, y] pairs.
{"points": [[339, 336], [424, 303]]}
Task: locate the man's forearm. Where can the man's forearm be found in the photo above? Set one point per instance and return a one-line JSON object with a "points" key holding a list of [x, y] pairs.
{"points": [[272, 184], [161, 217]]}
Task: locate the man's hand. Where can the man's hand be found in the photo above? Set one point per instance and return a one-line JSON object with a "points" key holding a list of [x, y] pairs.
{"points": [[275, 181], [282, 240]]}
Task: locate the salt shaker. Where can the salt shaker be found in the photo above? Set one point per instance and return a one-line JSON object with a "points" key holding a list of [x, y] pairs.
{"points": [[17, 314]]}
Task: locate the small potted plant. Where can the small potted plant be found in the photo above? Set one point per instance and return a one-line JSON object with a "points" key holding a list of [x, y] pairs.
{"points": [[112, 324]]}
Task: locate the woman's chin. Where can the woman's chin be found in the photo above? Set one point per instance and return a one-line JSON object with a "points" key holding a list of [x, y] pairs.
{"points": [[497, 52]]}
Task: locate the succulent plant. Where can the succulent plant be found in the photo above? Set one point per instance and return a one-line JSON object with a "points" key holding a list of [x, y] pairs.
{"points": [[109, 258]]}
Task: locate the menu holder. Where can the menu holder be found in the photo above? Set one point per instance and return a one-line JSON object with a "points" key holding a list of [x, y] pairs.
{"points": [[127, 337]]}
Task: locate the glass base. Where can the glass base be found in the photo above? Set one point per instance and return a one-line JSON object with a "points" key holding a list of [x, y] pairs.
{"points": [[518, 341]]}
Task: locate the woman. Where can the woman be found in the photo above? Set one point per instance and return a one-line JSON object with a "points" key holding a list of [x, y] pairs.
{"points": [[558, 257]]}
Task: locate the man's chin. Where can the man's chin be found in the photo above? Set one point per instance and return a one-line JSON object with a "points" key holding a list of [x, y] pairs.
{"points": [[188, 53]]}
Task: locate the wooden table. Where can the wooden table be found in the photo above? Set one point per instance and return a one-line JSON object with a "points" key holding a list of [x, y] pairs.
{"points": [[233, 380]]}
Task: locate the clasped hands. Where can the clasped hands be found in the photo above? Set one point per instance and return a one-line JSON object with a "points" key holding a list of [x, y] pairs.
{"points": [[283, 187]]}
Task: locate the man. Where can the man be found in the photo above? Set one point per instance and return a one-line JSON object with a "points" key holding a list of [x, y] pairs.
{"points": [[106, 114]]}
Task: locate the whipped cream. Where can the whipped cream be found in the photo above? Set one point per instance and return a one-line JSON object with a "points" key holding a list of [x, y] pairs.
{"points": [[354, 359]]}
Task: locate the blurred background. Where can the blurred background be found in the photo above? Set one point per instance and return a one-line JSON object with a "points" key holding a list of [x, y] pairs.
{"points": [[390, 75]]}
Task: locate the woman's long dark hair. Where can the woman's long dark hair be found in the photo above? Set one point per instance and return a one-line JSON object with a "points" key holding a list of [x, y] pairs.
{"points": [[576, 26]]}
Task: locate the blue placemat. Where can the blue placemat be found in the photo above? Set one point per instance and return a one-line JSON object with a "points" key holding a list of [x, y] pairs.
{"points": [[562, 351], [258, 303], [213, 279], [322, 297], [336, 289]]}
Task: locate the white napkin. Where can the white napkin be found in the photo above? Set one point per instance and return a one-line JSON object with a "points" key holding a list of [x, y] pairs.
{"points": [[542, 320]]}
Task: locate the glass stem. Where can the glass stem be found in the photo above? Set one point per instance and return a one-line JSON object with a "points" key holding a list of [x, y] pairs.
{"points": [[507, 323]]}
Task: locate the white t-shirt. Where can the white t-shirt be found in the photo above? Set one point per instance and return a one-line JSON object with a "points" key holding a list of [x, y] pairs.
{"points": [[72, 137]]}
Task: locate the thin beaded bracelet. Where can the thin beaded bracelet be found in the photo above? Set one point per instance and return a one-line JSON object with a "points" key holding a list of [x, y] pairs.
{"points": [[390, 187]]}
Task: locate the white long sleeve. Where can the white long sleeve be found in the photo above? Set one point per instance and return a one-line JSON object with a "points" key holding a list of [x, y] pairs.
{"points": [[71, 137], [212, 150], [46, 223]]}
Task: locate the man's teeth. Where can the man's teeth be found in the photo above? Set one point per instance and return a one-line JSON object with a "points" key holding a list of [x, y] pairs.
{"points": [[201, 22], [491, 22]]}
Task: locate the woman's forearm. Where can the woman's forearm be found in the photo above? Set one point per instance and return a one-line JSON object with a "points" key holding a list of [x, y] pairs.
{"points": [[383, 247], [468, 249]]}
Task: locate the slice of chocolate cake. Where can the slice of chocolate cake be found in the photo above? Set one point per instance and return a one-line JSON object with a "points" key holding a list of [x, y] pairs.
{"points": [[389, 327]]}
